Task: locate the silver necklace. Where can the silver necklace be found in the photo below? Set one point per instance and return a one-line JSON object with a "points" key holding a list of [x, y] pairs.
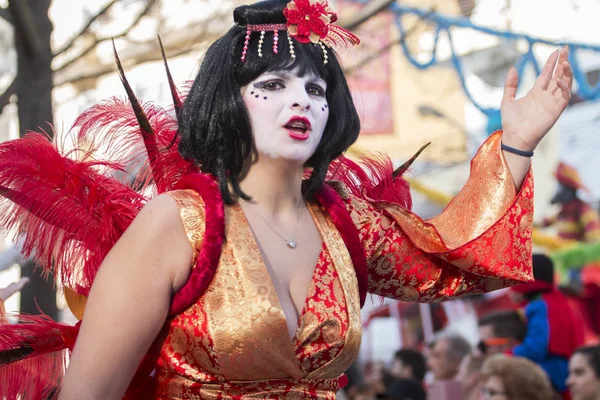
{"points": [[291, 243]]}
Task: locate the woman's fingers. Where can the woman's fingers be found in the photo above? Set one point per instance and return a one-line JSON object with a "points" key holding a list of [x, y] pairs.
{"points": [[511, 84], [543, 81], [568, 73], [562, 86]]}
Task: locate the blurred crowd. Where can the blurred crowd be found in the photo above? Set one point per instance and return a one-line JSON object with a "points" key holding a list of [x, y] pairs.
{"points": [[536, 351], [451, 369]]}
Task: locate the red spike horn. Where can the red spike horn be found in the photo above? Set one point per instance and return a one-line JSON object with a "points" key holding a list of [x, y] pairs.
{"points": [[177, 103], [145, 127], [402, 169]]}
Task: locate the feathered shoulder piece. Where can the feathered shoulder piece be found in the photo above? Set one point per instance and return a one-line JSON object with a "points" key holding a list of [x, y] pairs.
{"points": [[374, 178], [71, 199]]}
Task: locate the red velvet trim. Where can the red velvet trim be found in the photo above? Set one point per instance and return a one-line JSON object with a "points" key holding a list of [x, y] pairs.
{"points": [[336, 209], [533, 287], [343, 381], [207, 259]]}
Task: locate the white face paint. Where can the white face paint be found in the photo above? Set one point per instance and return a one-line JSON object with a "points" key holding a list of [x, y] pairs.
{"points": [[288, 114]]}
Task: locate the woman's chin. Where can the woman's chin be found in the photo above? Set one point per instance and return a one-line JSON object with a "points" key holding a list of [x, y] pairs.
{"points": [[292, 157]]}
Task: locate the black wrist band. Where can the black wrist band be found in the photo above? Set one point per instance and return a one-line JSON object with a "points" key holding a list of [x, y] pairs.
{"points": [[516, 151]]}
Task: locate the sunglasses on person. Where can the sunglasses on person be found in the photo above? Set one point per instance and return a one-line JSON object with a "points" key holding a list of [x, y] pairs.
{"points": [[484, 345]]}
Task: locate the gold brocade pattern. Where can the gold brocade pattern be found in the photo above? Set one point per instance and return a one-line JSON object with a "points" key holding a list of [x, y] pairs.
{"points": [[348, 292], [189, 354], [235, 339], [487, 195], [191, 211], [286, 389], [455, 253], [325, 302], [243, 310]]}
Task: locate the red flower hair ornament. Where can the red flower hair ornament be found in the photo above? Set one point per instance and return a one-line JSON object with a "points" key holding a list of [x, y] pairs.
{"points": [[312, 21], [308, 21]]}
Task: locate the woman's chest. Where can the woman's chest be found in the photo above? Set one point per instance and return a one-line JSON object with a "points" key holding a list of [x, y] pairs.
{"points": [[291, 269], [238, 329]]}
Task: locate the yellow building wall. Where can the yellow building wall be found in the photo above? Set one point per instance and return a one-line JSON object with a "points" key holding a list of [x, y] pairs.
{"points": [[437, 87]]}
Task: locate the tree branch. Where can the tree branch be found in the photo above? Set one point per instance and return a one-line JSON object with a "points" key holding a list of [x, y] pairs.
{"points": [[110, 68], [181, 43], [376, 54], [23, 22], [370, 10], [96, 42], [6, 15], [5, 97], [85, 29]]}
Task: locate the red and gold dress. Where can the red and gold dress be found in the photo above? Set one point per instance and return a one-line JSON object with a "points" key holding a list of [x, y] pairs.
{"points": [[232, 343]]}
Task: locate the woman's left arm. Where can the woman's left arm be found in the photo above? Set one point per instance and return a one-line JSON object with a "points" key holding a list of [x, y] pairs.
{"points": [[482, 240], [527, 120], [479, 243]]}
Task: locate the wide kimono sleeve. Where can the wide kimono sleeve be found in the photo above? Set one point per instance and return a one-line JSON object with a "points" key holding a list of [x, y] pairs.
{"points": [[480, 242]]}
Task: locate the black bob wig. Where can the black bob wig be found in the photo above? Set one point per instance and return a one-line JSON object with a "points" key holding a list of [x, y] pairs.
{"points": [[214, 124]]}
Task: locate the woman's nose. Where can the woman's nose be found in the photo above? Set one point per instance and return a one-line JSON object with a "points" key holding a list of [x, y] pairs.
{"points": [[301, 106], [299, 98]]}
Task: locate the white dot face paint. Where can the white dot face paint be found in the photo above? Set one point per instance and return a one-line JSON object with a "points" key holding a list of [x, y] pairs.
{"points": [[288, 114]]}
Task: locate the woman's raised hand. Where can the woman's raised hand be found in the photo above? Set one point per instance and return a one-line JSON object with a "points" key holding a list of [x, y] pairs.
{"points": [[527, 120]]}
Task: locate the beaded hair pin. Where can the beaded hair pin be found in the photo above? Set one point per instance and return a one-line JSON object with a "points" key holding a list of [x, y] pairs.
{"points": [[308, 21]]}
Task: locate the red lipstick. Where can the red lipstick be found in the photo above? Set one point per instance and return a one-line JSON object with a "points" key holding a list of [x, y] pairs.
{"points": [[298, 127]]}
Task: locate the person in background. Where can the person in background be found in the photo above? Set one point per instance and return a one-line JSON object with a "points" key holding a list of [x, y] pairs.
{"points": [[446, 355], [403, 389], [500, 331], [576, 220], [408, 364], [355, 379], [553, 330], [469, 376], [514, 378], [584, 373]]}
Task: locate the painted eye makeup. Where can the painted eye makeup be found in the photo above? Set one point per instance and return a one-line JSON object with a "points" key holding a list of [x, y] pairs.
{"points": [[270, 85], [315, 90]]}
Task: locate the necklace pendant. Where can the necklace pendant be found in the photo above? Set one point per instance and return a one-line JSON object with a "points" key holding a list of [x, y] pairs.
{"points": [[291, 243]]}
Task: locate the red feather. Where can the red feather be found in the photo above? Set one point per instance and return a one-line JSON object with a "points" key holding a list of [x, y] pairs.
{"points": [[69, 214], [70, 208], [372, 179], [80, 208], [111, 129], [38, 377], [33, 357]]}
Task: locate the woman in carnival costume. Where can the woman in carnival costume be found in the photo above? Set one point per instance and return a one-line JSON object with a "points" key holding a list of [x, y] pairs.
{"points": [[243, 276]]}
